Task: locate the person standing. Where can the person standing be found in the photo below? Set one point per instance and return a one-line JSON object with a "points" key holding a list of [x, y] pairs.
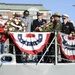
{"points": [[57, 27], [51, 49], [14, 25], [52, 19], [3, 36], [57, 23], [27, 20], [67, 27], [38, 22]]}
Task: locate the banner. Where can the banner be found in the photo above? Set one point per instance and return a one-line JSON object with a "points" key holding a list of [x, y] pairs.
{"points": [[67, 45], [30, 42]]}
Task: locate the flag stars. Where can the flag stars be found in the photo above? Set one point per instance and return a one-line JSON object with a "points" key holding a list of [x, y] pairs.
{"points": [[25, 42], [19, 37], [29, 43], [21, 40], [40, 37]]}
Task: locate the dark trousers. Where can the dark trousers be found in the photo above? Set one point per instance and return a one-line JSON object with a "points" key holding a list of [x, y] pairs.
{"points": [[47, 57], [18, 55], [51, 51]]}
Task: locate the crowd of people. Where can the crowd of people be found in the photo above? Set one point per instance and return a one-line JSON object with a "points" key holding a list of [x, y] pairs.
{"points": [[29, 25]]}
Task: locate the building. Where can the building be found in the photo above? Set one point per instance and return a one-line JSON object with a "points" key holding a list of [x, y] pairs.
{"points": [[7, 10]]}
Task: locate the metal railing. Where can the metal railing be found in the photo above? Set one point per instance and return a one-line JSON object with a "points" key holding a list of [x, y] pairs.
{"points": [[45, 56]]}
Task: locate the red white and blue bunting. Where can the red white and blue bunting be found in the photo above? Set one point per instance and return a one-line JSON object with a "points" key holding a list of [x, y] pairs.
{"points": [[30, 42], [35, 42], [67, 46]]}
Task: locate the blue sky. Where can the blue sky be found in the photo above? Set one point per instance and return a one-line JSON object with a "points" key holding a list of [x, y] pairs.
{"points": [[62, 6]]}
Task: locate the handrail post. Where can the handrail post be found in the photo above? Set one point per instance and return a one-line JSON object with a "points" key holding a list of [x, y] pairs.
{"points": [[46, 50], [55, 48]]}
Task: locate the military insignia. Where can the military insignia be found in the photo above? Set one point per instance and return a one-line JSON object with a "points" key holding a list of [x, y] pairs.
{"points": [[67, 26]]}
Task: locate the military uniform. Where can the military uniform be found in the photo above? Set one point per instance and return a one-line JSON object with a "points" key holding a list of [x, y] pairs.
{"points": [[57, 23], [67, 28], [37, 23], [57, 26]]}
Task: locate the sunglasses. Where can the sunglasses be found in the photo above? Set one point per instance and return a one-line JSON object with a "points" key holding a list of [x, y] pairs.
{"points": [[63, 18]]}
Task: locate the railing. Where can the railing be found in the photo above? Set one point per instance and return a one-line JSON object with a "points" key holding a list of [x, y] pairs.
{"points": [[46, 56]]}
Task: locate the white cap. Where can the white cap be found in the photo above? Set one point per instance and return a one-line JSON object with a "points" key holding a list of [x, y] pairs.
{"points": [[65, 16]]}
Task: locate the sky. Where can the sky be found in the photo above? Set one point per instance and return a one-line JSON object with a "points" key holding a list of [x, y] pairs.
{"points": [[62, 6]]}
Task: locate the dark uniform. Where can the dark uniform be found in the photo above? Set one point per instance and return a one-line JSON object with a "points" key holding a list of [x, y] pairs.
{"points": [[67, 28], [37, 23]]}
